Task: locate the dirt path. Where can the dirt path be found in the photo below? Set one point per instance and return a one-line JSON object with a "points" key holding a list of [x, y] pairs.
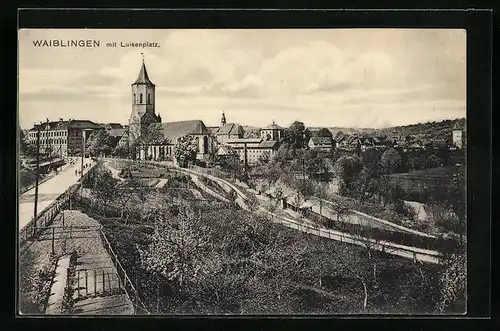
{"points": [[91, 255]]}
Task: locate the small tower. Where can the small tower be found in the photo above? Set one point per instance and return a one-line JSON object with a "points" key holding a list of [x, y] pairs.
{"points": [[457, 136], [223, 120]]}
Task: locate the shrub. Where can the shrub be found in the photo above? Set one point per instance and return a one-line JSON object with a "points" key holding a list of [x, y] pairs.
{"points": [[26, 178], [125, 173]]}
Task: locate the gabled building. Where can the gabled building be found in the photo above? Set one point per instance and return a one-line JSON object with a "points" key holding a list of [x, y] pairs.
{"points": [[323, 144], [271, 132], [228, 131], [173, 131]]}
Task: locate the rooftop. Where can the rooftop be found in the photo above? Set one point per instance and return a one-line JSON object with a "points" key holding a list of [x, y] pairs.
{"points": [[321, 140], [64, 125], [175, 130], [273, 126], [143, 77], [231, 128]]}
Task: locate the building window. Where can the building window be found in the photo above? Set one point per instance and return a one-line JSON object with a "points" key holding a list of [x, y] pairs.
{"points": [[149, 98], [140, 98], [135, 98]]}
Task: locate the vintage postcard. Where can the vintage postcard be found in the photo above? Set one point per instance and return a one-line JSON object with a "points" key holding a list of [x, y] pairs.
{"points": [[242, 172]]}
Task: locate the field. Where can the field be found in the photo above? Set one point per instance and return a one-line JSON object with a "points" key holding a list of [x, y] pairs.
{"points": [[417, 183]]}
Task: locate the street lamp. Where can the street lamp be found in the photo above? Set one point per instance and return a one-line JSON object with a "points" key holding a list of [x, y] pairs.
{"points": [[35, 211], [83, 149]]}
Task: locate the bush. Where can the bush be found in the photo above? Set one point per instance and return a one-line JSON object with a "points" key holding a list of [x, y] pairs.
{"points": [[26, 178], [200, 163], [125, 173]]}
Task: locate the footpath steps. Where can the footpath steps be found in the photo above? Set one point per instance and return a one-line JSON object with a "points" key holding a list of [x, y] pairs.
{"points": [[92, 295]]}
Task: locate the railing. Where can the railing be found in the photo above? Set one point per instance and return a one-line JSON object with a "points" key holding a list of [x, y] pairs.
{"points": [[34, 227], [414, 253], [128, 286], [98, 281], [31, 230]]}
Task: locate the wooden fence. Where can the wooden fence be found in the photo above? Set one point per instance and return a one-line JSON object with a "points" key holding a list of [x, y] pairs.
{"points": [[124, 279]]}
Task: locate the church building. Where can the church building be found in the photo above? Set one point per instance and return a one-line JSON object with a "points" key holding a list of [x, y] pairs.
{"points": [[228, 131], [144, 114]]}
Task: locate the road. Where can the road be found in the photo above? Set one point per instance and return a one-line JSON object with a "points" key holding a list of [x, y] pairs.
{"points": [[47, 192]]}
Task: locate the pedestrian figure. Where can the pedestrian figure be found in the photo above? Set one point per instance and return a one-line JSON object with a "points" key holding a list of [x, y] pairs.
{"points": [[76, 172]]}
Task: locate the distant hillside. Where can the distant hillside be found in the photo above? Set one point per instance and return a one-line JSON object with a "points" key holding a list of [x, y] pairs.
{"points": [[335, 130], [428, 130]]}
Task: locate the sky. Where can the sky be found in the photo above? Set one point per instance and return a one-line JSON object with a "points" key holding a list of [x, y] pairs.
{"points": [[323, 77]]}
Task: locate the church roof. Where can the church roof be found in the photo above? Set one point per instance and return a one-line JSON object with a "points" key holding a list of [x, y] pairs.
{"points": [[175, 130], [273, 126], [231, 128], [143, 77]]}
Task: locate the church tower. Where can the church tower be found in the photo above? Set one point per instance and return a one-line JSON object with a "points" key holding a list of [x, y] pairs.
{"points": [[143, 104]]}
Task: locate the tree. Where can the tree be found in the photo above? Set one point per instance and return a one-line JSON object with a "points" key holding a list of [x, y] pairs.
{"points": [[120, 151], [123, 195], [317, 168], [347, 169], [454, 198], [25, 148], [355, 264], [416, 162], [391, 161], [186, 150], [296, 135], [371, 162], [104, 186], [264, 158], [433, 161], [177, 250], [99, 143]]}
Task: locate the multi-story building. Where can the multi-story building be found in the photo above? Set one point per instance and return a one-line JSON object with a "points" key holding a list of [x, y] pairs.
{"points": [[271, 132], [254, 149], [62, 138]]}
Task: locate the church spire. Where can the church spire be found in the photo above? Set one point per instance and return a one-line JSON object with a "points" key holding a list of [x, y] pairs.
{"points": [[143, 77]]}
